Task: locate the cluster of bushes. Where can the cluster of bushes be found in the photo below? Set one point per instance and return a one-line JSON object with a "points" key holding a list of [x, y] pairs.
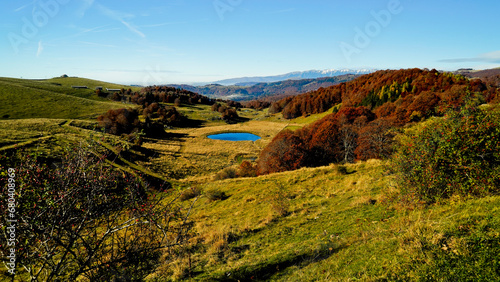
{"points": [[245, 169], [120, 122], [81, 219], [456, 154], [157, 115], [229, 115], [125, 122]]}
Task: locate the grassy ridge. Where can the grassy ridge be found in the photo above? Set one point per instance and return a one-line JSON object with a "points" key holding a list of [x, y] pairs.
{"points": [[21, 98]]}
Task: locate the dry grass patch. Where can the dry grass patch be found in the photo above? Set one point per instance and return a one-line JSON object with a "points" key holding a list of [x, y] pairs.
{"points": [[191, 155]]}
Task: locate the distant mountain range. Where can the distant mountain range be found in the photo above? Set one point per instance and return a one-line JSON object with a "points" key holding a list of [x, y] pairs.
{"points": [[272, 91], [311, 74]]}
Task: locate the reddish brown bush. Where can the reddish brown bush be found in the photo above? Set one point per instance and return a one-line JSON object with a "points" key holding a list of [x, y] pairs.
{"points": [[121, 121], [246, 169], [285, 152]]}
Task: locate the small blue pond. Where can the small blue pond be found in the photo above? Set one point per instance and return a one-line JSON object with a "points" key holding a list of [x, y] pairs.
{"points": [[235, 137]]}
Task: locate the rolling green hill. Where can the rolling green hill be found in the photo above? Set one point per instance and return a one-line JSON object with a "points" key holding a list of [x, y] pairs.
{"points": [[52, 98]]}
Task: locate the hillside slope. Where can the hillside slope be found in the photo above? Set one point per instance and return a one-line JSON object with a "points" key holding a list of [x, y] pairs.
{"points": [[333, 224], [53, 98]]}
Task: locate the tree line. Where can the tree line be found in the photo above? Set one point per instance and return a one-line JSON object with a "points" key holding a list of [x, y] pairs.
{"points": [[367, 109], [385, 88], [157, 115]]}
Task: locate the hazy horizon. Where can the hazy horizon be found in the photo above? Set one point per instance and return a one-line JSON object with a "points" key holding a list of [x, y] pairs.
{"points": [[158, 42]]}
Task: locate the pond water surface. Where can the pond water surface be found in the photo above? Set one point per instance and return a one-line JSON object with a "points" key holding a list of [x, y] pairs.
{"points": [[235, 137]]}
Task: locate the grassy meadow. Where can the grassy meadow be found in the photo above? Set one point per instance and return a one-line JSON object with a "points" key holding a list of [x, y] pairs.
{"points": [[334, 223]]}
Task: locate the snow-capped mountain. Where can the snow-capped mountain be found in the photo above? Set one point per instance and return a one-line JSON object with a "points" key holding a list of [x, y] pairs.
{"points": [[293, 75]]}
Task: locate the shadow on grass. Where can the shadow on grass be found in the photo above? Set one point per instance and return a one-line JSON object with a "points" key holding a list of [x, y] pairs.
{"points": [[192, 123], [265, 271], [237, 120]]}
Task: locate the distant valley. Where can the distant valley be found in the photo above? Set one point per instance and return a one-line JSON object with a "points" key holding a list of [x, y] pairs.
{"points": [[270, 91]]}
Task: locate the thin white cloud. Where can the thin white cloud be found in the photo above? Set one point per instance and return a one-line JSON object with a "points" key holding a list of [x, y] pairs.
{"points": [[24, 6], [120, 17], [40, 48], [491, 57], [173, 23], [82, 31], [106, 30], [97, 44], [284, 11], [95, 29], [86, 30], [133, 29]]}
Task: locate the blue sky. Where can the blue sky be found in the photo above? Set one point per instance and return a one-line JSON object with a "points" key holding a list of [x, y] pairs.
{"points": [[182, 41]]}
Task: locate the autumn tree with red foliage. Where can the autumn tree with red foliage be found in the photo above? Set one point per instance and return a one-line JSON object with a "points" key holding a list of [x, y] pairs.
{"points": [[375, 140], [285, 152], [329, 140], [120, 121]]}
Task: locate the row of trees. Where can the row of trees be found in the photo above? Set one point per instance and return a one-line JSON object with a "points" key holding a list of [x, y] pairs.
{"points": [[158, 94], [257, 104], [166, 94]]}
